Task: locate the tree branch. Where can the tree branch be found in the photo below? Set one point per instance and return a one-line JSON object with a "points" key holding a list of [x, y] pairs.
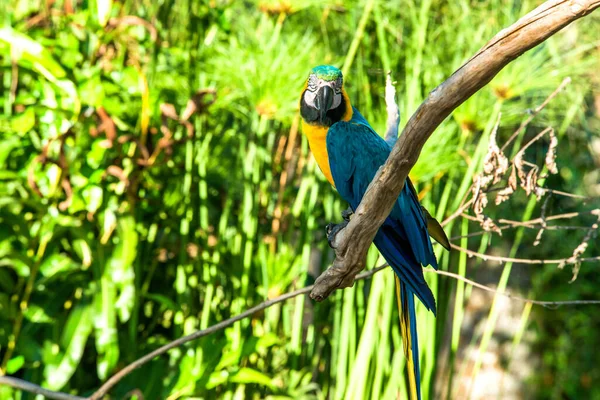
{"points": [[25, 386], [526, 33], [543, 303], [487, 257]]}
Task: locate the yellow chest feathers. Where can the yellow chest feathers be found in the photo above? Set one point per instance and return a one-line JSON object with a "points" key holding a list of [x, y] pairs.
{"points": [[317, 136]]}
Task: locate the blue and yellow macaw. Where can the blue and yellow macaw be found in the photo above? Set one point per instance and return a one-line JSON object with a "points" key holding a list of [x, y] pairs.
{"points": [[349, 152]]}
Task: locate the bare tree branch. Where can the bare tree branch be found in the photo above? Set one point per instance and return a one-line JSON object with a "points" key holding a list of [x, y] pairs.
{"points": [[535, 112], [487, 257], [25, 386], [383, 191], [538, 221], [548, 304]]}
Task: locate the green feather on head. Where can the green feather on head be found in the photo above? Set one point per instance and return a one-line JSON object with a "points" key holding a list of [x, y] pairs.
{"points": [[327, 72]]}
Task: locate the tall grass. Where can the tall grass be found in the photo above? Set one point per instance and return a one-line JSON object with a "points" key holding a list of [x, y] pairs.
{"points": [[235, 213]]}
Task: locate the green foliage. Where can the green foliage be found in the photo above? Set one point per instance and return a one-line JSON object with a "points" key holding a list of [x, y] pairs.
{"points": [[124, 226]]}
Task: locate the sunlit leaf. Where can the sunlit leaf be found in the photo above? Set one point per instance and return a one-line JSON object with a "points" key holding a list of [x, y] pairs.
{"points": [[105, 327], [37, 314], [120, 266], [76, 332], [32, 54], [56, 264], [248, 375], [24, 122], [15, 364]]}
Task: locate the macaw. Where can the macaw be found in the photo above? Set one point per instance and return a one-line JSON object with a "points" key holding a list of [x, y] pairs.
{"points": [[349, 153]]}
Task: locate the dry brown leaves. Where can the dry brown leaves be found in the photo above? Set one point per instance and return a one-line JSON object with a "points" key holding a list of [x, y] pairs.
{"points": [[579, 250], [495, 167]]}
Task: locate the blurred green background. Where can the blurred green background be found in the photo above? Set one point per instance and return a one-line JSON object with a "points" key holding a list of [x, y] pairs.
{"points": [[153, 181]]}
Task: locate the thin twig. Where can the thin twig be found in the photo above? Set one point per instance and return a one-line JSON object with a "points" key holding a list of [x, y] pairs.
{"points": [[502, 227], [535, 112], [25, 386], [566, 194], [548, 304], [538, 221], [457, 213], [544, 224], [487, 257]]}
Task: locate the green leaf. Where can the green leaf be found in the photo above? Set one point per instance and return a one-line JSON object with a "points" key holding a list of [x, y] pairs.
{"points": [[93, 196], [248, 375], [120, 266], [6, 146], [105, 328], [83, 250], [103, 8], [31, 54], [37, 314], [15, 364], [75, 335], [56, 264], [24, 122], [18, 262], [8, 175], [166, 302], [92, 91]]}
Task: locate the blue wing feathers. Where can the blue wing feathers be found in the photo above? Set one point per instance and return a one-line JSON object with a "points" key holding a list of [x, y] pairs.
{"points": [[406, 267], [355, 153]]}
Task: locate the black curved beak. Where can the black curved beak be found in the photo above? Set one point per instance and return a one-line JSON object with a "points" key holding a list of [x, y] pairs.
{"points": [[323, 101]]}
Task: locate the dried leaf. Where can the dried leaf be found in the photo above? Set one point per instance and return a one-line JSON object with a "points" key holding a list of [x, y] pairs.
{"points": [[66, 185], [197, 104], [495, 162], [489, 225], [118, 173], [168, 110], [531, 181], [504, 194], [551, 154], [107, 126], [480, 197]]}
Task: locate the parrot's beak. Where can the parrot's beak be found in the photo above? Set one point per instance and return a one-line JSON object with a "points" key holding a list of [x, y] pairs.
{"points": [[323, 101]]}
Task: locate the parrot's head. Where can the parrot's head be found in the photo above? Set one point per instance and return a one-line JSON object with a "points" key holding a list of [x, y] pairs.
{"points": [[323, 100]]}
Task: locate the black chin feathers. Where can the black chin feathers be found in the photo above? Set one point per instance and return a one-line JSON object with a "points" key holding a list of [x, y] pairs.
{"points": [[311, 114]]}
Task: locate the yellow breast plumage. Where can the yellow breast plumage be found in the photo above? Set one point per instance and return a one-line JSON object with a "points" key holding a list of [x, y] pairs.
{"points": [[316, 136]]}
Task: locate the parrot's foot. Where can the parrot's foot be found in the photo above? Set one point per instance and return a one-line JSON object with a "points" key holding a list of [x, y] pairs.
{"points": [[332, 231], [347, 214]]}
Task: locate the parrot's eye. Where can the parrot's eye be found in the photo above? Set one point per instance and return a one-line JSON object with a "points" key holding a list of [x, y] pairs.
{"points": [[338, 85], [312, 83]]}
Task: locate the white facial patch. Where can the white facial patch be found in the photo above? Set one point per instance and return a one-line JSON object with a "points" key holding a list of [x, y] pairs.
{"points": [[309, 97]]}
